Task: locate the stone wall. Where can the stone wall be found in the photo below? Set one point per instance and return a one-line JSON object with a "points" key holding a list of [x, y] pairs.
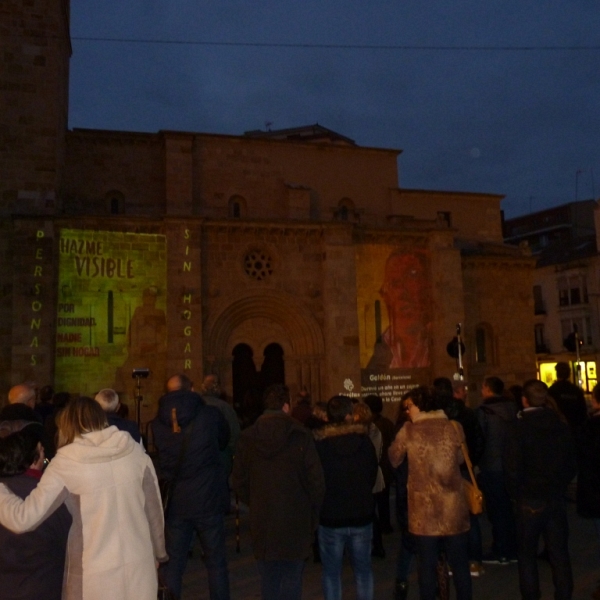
{"points": [[34, 98]]}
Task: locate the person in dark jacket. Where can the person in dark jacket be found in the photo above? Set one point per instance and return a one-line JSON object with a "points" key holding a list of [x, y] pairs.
{"points": [[278, 474], [568, 397], [588, 475], [346, 521], [386, 427], [31, 564], [456, 410], [20, 407], [108, 399], [189, 437], [495, 415], [540, 463]]}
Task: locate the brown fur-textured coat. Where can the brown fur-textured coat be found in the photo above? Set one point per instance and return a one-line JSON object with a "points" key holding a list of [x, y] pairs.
{"points": [[436, 498]]}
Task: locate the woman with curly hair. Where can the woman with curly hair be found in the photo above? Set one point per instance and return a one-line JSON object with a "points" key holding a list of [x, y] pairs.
{"points": [[438, 516]]}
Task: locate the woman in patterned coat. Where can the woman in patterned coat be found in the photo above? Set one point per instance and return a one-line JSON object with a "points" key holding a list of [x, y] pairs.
{"points": [[438, 515]]}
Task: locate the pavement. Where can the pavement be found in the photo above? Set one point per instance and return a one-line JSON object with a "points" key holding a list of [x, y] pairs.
{"points": [[499, 582]]}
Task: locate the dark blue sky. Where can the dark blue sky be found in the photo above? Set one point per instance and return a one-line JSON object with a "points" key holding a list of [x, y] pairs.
{"points": [[515, 122]]}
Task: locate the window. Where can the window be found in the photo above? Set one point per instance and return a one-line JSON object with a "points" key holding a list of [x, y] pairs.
{"points": [[115, 202], [345, 210], [237, 207], [572, 290], [484, 344], [580, 325], [538, 300], [540, 343], [445, 217], [480, 346]]}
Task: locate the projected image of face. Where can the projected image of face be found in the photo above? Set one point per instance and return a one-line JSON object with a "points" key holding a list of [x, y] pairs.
{"points": [[405, 292]]}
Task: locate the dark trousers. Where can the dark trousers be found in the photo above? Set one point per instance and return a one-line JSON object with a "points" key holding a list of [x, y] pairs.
{"points": [[547, 518], [211, 533], [382, 505], [500, 513], [455, 547], [281, 579]]}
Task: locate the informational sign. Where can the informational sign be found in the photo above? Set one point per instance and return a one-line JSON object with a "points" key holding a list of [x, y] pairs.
{"points": [[394, 313], [111, 310]]}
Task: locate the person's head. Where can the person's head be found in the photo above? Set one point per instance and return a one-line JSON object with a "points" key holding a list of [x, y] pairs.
{"points": [[535, 393], [277, 397], [108, 399], [492, 386], [596, 396], [81, 415], [563, 371], [46, 394], [303, 397], [375, 403], [320, 411], [60, 400], [24, 393], [20, 451], [339, 409], [361, 413], [420, 398], [211, 385], [179, 382], [516, 391], [459, 390]]}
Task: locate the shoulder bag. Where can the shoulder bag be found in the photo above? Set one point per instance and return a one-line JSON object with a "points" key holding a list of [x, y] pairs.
{"points": [[473, 494]]}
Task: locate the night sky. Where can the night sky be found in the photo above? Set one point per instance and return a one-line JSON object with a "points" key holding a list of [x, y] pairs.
{"points": [[442, 81]]}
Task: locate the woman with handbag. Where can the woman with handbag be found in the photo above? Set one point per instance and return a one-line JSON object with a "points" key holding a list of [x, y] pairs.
{"points": [[438, 516], [109, 486]]}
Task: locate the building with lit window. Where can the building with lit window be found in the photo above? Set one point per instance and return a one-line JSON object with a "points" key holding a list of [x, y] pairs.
{"points": [[566, 288], [275, 256]]}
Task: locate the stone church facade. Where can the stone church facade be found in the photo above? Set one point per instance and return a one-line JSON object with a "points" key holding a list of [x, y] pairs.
{"points": [[263, 257]]}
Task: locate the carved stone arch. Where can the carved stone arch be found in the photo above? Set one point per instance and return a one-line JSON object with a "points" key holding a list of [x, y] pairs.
{"points": [[292, 327]]}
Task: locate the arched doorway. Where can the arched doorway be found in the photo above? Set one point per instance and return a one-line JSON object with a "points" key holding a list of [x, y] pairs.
{"points": [[257, 321], [249, 384]]}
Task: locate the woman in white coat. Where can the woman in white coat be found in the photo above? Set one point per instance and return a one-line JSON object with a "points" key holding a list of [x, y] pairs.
{"points": [[109, 486]]}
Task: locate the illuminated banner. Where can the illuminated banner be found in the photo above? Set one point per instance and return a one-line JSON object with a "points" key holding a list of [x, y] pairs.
{"points": [[394, 319], [111, 310]]}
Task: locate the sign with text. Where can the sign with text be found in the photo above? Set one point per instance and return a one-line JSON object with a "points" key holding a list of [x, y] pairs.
{"points": [[394, 314], [111, 309]]}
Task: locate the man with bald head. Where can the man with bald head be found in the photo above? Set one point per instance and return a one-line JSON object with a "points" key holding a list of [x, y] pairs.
{"points": [[21, 403], [20, 407], [189, 437]]}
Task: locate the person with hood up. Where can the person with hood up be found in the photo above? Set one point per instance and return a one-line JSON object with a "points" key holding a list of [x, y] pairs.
{"points": [[277, 473], [189, 437], [109, 486], [350, 466]]}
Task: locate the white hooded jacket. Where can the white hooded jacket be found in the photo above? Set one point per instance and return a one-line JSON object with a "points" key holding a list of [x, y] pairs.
{"points": [[109, 485]]}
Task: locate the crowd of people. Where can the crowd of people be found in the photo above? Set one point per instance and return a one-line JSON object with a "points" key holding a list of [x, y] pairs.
{"points": [[81, 498]]}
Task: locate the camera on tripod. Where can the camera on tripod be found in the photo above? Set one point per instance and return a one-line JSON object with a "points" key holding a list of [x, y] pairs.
{"points": [[141, 373]]}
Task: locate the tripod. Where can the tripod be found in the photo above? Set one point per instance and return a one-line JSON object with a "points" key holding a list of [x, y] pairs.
{"points": [[138, 400]]}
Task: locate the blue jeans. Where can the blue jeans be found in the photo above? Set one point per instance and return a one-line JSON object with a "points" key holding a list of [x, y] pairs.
{"points": [[547, 518], [500, 513], [178, 536], [455, 546], [281, 579], [357, 541]]}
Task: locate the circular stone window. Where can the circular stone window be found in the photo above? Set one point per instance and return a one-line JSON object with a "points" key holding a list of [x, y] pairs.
{"points": [[258, 265]]}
